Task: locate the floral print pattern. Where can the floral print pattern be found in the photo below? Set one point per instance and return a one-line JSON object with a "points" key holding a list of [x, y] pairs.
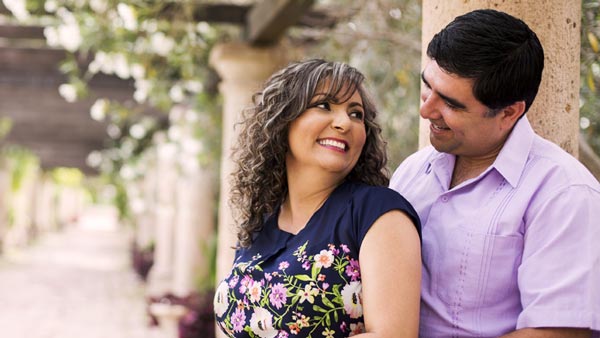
{"points": [[322, 297]]}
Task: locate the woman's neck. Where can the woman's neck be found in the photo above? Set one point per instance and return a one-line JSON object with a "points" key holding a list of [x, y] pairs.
{"points": [[304, 198]]}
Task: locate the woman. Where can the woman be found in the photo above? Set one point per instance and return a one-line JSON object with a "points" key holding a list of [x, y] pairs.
{"points": [[324, 249]]}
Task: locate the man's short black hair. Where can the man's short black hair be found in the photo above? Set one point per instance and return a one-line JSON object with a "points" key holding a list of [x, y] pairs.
{"points": [[499, 52]]}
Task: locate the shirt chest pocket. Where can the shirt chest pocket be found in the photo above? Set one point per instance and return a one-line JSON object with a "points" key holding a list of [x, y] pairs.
{"points": [[474, 269]]}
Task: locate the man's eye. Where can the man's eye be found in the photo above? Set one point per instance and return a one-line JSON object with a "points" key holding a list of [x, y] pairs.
{"points": [[451, 106]]}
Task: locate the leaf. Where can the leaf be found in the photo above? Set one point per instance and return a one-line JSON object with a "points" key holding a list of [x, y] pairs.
{"points": [[593, 41], [327, 302], [314, 271], [304, 278], [590, 82], [327, 320], [319, 309]]}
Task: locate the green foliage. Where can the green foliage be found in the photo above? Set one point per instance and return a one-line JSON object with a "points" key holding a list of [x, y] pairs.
{"points": [[21, 163], [5, 126], [590, 73]]}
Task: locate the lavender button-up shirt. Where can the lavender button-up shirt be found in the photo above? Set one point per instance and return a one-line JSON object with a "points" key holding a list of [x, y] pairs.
{"points": [[518, 246]]}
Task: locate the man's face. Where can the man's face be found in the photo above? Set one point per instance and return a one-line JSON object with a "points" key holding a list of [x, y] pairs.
{"points": [[459, 124]]}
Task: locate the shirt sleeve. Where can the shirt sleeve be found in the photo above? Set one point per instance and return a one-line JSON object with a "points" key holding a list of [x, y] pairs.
{"points": [[372, 203], [559, 277]]}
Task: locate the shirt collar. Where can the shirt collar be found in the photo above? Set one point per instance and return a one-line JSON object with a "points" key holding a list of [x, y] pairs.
{"points": [[510, 162]]}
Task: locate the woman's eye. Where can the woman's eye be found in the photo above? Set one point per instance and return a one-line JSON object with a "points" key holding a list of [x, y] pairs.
{"points": [[357, 114], [323, 105]]}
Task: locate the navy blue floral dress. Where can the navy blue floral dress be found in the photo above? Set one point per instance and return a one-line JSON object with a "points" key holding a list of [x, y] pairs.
{"points": [[308, 284]]}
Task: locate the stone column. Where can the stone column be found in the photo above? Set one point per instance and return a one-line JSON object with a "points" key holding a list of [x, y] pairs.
{"points": [[161, 273], [243, 70], [4, 203], [21, 232], [194, 231], [45, 218], [555, 112]]}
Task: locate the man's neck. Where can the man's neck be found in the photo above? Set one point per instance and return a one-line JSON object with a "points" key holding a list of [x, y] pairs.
{"points": [[466, 168]]}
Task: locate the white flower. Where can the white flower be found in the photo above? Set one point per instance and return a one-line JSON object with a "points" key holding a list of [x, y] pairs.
{"points": [[221, 301], [127, 14], [18, 8], [352, 297], [137, 131], [137, 71], [161, 44], [69, 36], [194, 86], [68, 92], [51, 36], [98, 6], [113, 131], [142, 87], [175, 133], [94, 159], [261, 323], [308, 294], [121, 65], [176, 93], [99, 109], [324, 259], [127, 173], [50, 6]]}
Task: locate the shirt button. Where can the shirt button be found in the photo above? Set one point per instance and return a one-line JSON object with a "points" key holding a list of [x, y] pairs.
{"points": [[445, 199]]}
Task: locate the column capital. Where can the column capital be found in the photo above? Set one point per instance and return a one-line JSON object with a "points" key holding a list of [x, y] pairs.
{"points": [[240, 62]]}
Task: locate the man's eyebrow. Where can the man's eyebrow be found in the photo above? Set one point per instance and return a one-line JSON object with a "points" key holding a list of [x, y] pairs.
{"points": [[446, 98]]}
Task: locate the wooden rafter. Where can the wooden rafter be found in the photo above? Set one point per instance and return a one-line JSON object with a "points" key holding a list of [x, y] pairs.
{"points": [[268, 19]]}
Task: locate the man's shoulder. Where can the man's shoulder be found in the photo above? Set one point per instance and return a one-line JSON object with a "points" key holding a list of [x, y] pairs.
{"points": [[549, 158]]}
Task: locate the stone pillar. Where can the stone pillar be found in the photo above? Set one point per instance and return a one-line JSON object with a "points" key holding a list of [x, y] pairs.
{"points": [[45, 218], [21, 231], [4, 203], [194, 231], [243, 70], [555, 112], [145, 226], [161, 273]]}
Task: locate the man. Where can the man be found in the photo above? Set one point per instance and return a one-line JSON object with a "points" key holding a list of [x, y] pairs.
{"points": [[511, 222]]}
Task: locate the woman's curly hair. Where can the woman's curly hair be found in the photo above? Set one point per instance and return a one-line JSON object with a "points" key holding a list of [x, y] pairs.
{"points": [[259, 183]]}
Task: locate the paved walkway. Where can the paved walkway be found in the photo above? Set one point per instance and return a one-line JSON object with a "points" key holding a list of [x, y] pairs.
{"points": [[73, 284]]}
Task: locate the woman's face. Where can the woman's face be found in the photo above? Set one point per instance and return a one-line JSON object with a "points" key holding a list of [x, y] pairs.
{"points": [[327, 137]]}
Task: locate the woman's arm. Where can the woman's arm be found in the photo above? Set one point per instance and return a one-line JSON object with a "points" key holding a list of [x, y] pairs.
{"points": [[390, 264]]}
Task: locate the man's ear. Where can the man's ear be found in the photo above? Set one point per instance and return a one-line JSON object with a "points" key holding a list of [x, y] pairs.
{"points": [[511, 114]]}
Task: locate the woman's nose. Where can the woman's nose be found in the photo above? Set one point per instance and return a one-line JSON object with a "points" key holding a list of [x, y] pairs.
{"points": [[341, 121]]}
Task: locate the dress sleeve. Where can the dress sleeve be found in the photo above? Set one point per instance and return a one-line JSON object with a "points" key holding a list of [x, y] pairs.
{"points": [[371, 203]]}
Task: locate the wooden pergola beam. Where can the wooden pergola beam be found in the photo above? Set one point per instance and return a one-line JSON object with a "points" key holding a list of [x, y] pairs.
{"points": [[269, 19]]}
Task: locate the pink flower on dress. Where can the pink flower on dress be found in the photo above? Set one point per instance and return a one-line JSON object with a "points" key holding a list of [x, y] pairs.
{"points": [[254, 290], [278, 295], [284, 265], [324, 259], [356, 329], [238, 319], [353, 269]]}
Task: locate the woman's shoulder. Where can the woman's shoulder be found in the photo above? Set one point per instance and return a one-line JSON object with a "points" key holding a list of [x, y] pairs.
{"points": [[374, 193]]}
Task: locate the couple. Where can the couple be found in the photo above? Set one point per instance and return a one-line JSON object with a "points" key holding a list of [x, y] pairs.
{"points": [[508, 219]]}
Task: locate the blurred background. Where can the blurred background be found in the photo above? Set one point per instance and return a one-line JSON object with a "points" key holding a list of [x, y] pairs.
{"points": [[116, 119]]}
